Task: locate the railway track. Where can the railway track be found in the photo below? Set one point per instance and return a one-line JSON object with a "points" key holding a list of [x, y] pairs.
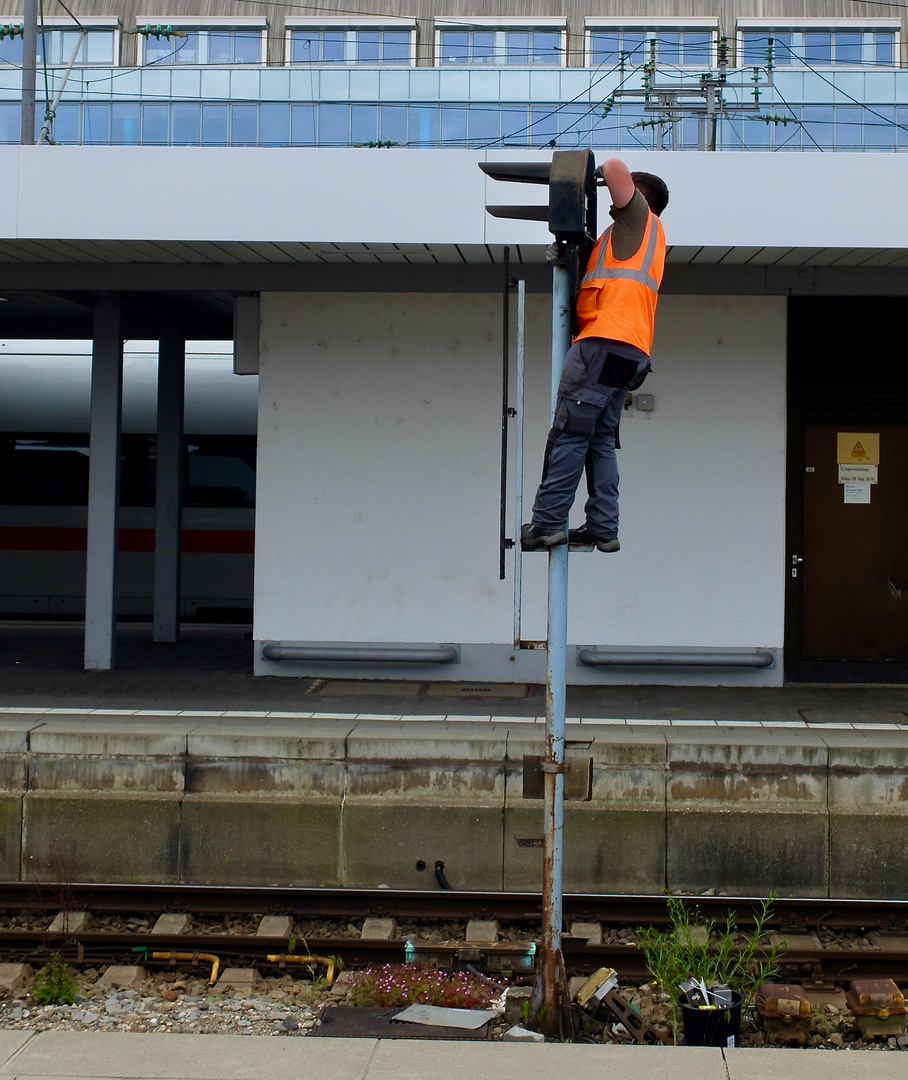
{"points": [[94, 947]]}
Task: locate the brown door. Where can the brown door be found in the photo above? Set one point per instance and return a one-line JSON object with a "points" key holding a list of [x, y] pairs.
{"points": [[855, 554]]}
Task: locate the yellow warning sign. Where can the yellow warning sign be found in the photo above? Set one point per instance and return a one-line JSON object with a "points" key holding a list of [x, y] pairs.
{"points": [[858, 447]]}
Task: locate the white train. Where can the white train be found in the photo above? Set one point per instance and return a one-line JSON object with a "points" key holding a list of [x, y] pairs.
{"points": [[44, 422]]}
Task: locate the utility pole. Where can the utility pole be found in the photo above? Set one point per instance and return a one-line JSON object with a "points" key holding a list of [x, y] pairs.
{"points": [[29, 65]]}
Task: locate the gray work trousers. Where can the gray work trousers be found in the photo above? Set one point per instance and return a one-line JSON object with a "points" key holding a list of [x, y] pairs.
{"points": [[585, 434]]}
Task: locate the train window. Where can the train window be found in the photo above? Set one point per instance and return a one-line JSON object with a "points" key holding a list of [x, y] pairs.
{"points": [[43, 472], [52, 470], [220, 471]]}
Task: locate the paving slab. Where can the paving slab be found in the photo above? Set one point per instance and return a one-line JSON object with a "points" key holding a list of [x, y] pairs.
{"points": [[75, 1054], [10, 1042], [549, 1061], [780, 1064]]}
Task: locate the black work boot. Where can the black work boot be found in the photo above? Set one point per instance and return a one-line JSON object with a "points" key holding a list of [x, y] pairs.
{"points": [[540, 538], [585, 538]]}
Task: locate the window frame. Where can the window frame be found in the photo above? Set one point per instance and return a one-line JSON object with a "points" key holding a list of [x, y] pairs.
{"points": [[350, 27], [60, 24], [810, 25], [502, 25], [650, 27], [203, 26]]}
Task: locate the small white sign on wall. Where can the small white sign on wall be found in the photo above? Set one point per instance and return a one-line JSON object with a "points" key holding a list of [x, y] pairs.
{"points": [[858, 474], [856, 493]]}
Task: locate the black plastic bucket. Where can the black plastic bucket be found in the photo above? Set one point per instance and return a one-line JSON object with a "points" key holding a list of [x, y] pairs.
{"points": [[713, 1027]]}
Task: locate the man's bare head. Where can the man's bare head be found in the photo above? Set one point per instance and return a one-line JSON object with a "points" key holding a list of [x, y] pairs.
{"points": [[653, 189]]}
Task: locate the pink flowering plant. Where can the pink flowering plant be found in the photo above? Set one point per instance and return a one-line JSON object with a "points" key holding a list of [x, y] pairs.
{"points": [[403, 984]]}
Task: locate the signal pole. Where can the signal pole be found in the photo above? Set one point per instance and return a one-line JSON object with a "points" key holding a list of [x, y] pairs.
{"points": [[571, 217]]}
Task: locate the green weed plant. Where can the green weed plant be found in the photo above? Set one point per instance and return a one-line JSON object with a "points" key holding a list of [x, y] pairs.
{"points": [[724, 955]]}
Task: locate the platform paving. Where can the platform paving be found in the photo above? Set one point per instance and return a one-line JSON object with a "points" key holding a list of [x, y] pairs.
{"points": [[112, 1056], [211, 669]]}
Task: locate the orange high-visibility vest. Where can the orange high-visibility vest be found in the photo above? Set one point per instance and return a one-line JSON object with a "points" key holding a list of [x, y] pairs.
{"points": [[618, 298]]}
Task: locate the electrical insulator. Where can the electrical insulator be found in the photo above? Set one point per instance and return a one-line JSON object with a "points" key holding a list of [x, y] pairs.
{"points": [[158, 32], [11, 30]]}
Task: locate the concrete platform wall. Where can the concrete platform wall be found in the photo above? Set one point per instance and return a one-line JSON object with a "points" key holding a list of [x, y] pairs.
{"points": [[336, 801]]}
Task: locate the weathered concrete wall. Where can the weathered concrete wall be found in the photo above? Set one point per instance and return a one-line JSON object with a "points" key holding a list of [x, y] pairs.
{"points": [[320, 800]]}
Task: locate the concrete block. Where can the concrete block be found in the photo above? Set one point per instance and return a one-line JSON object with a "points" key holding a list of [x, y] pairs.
{"points": [[134, 838], [605, 850], [516, 1002], [237, 978], [868, 778], [10, 837], [13, 773], [383, 929], [890, 942], [13, 976], [171, 924], [787, 770], [123, 976], [752, 853], [275, 926], [92, 754], [420, 741], [265, 776], [866, 855], [481, 930], [520, 1034], [441, 782], [108, 774], [881, 1027], [591, 932], [70, 922], [240, 841], [797, 941], [269, 740], [384, 840], [99, 738]]}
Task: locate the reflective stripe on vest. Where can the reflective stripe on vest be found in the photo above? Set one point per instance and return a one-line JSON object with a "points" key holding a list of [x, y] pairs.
{"points": [[644, 275]]}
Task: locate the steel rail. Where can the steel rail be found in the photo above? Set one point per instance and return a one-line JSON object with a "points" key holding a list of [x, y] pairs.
{"points": [[96, 946], [789, 913]]}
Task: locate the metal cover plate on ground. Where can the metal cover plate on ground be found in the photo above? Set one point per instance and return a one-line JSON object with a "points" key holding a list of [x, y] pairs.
{"points": [[479, 690], [355, 1022]]}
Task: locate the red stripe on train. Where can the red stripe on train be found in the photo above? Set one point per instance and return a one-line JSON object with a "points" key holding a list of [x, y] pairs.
{"points": [[194, 541]]}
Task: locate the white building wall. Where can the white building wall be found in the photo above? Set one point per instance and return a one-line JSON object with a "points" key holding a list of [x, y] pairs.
{"points": [[377, 507]]}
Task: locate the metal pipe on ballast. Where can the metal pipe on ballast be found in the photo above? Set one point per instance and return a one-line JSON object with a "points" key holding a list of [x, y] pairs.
{"points": [[370, 654], [44, 134]]}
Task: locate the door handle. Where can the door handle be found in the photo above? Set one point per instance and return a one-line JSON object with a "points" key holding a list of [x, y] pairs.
{"points": [[796, 561]]}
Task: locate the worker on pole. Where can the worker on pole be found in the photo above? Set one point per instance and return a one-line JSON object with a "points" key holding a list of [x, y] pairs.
{"points": [[610, 355]]}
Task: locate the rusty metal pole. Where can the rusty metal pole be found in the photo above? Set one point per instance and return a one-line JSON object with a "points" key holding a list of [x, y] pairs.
{"points": [[550, 994]]}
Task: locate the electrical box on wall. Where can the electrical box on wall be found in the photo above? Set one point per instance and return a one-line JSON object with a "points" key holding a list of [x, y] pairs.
{"points": [[645, 402], [246, 335]]}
